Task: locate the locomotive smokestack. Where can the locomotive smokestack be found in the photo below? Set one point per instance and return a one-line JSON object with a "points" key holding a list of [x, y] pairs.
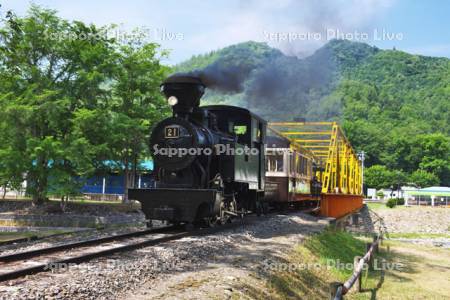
{"points": [[183, 92]]}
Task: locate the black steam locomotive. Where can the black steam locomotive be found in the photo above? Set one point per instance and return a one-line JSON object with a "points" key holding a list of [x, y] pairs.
{"points": [[209, 161]]}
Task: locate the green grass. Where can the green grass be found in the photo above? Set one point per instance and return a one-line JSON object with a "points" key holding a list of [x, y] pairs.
{"points": [[8, 236], [382, 206], [335, 246], [76, 201], [116, 205], [418, 235], [417, 263], [318, 262], [376, 206]]}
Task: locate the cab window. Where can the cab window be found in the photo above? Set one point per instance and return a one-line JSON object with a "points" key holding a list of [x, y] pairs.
{"points": [[240, 129], [274, 163]]}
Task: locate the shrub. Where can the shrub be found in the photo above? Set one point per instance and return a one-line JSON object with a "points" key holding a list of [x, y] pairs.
{"points": [[400, 201], [391, 203]]}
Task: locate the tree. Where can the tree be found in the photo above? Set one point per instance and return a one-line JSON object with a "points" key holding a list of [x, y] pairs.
{"points": [[434, 153], [136, 105], [422, 178], [377, 177], [49, 69], [11, 169], [380, 177]]}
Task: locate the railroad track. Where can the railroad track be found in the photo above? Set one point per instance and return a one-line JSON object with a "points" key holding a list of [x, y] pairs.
{"points": [[31, 262], [20, 264]]}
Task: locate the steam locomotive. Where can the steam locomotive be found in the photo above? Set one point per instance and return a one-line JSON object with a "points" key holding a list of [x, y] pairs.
{"points": [[210, 162]]}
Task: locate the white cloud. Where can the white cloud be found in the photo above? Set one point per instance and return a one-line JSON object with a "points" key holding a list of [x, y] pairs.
{"points": [[209, 25]]}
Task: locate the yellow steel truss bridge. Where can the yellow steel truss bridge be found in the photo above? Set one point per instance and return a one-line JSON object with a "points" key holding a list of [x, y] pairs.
{"points": [[331, 149]]}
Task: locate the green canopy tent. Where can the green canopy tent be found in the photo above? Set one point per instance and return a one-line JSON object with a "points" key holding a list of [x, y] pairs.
{"points": [[432, 192]]}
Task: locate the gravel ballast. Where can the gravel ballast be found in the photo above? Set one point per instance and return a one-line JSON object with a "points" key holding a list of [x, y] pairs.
{"points": [[416, 219], [190, 268]]}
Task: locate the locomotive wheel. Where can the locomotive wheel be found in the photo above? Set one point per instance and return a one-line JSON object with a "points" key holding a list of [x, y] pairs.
{"points": [[284, 206], [189, 226], [222, 217], [210, 222], [149, 224], [259, 208]]}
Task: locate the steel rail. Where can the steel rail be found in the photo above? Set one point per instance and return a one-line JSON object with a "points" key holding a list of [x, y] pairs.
{"points": [[68, 246], [45, 267]]}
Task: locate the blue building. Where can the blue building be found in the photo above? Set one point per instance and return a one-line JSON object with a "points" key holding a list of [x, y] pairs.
{"points": [[113, 183]]}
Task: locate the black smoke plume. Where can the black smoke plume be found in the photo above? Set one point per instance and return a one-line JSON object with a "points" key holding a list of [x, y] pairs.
{"points": [[221, 77], [280, 87]]}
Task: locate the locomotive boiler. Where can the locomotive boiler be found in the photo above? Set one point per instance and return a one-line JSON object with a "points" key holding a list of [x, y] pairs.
{"points": [[209, 161]]}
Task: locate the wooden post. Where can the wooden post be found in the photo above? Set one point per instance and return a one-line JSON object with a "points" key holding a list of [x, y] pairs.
{"points": [[333, 289], [358, 279], [370, 261], [375, 247]]}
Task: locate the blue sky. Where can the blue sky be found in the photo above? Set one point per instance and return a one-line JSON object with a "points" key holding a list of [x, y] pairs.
{"points": [[297, 27]]}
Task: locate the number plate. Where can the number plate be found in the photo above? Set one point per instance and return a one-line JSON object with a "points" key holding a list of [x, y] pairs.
{"points": [[172, 132]]}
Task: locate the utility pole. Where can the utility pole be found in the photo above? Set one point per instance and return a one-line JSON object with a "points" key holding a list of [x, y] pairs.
{"points": [[361, 156]]}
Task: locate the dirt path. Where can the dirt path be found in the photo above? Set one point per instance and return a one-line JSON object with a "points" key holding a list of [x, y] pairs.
{"points": [[420, 272]]}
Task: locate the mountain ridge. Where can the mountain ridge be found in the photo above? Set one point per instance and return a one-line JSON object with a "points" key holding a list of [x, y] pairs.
{"points": [[392, 104]]}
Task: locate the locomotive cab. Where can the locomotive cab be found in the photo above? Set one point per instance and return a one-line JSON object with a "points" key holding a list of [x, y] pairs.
{"points": [[246, 154]]}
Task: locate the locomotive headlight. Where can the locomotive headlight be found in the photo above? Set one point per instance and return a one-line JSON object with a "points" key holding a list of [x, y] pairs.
{"points": [[172, 100]]}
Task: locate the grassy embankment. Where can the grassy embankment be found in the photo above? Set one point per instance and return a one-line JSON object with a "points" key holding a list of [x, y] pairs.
{"points": [[81, 202], [9, 236], [53, 206], [76, 200], [420, 273]]}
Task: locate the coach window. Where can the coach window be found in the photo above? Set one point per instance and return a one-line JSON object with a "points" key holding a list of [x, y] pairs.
{"points": [[269, 163], [275, 163], [299, 164], [303, 165], [280, 165], [292, 162]]}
